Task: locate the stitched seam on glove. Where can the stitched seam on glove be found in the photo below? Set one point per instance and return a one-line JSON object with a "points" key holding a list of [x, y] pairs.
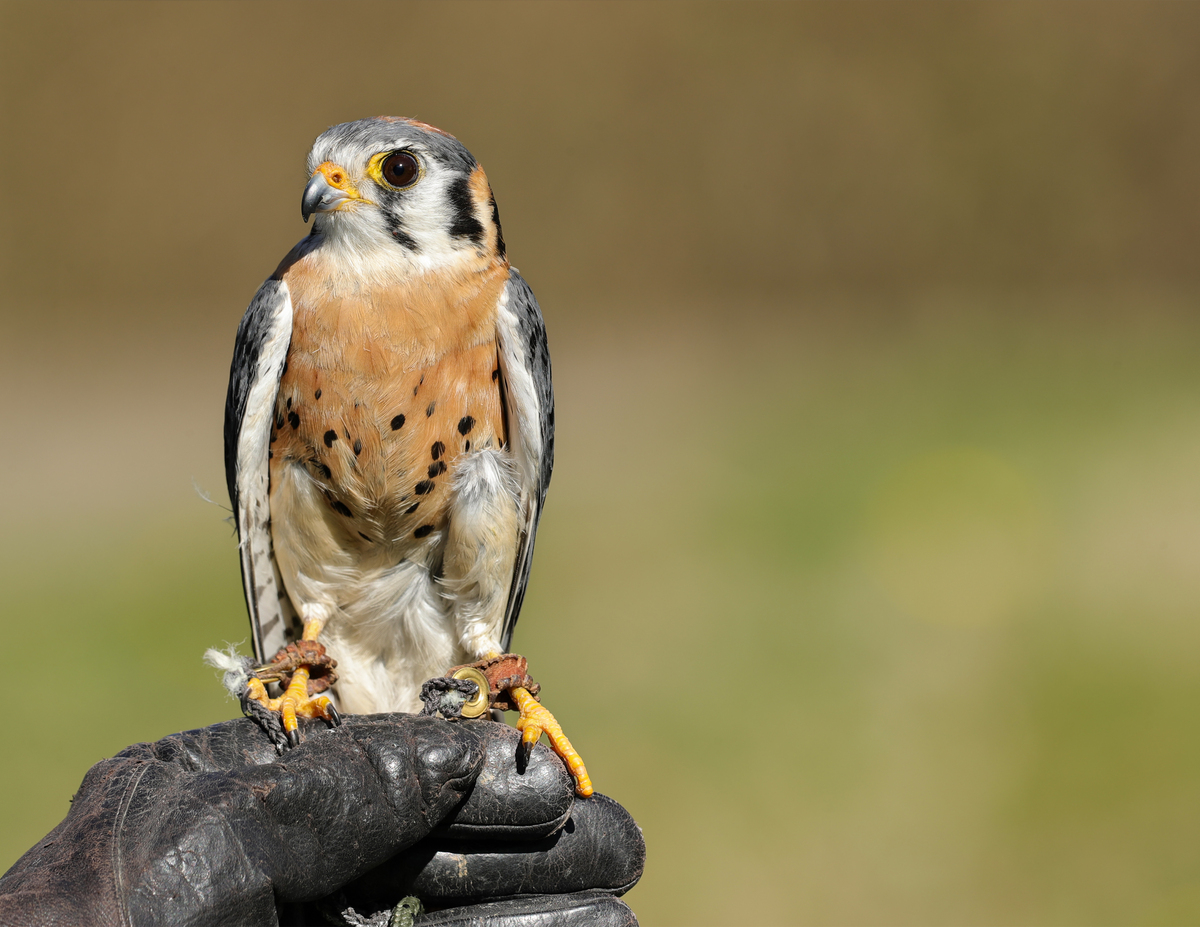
{"points": [[117, 861]]}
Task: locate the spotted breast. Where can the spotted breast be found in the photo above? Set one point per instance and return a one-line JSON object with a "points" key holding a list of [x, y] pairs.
{"points": [[384, 390]]}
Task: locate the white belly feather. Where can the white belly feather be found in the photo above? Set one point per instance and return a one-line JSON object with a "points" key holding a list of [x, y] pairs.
{"points": [[407, 611]]}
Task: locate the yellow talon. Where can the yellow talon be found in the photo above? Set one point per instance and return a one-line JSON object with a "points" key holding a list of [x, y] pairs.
{"points": [[536, 719]]}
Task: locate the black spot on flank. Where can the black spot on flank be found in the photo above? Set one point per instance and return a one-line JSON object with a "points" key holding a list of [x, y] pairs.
{"points": [[317, 394], [422, 531], [397, 423], [429, 408], [496, 374], [342, 509], [364, 537], [279, 421], [293, 420], [421, 382], [346, 432], [330, 437], [325, 471], [467, 446], [415, 388], [437, 468], [412, 508], [437, 450], [274, 436], [289, 404], [465, 225], [423, 487], [465, 424], [357, 446], [270, 454]]}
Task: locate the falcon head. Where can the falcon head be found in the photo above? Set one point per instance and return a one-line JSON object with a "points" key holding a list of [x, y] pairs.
{"points": [[395, 189]]}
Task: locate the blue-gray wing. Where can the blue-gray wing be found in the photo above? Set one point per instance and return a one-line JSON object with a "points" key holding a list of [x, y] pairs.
{"points": [[529, 407], [259, 355]]}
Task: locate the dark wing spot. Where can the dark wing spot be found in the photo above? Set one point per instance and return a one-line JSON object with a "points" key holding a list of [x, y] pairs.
{"points": [[342, 509], [330, 437], [357, 446], [423, 487], [317, 394], [437, 468], [437, 450], [412, 508], [422, 531], [363, 536], [279, 421], [397, 423], [294, 420], [467, 446], [496, 374], [289, 402], [465, 424], [429, 409]]}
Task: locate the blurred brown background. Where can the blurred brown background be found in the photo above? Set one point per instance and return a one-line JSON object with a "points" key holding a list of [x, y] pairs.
{"points": [[876, 519]]}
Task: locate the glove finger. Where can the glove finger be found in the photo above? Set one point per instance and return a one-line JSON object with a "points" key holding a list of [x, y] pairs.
{"points": [[510, 805], [345, 799], [600, 847], [587, 909]]}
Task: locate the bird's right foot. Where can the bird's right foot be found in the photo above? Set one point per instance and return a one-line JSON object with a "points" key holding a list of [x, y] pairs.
{"points": [[304, 670]]}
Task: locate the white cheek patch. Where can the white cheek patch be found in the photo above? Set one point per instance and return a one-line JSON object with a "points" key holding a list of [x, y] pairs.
{"points": [[427, 214]]}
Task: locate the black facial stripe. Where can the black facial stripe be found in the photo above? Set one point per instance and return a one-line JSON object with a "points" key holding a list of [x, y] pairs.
{"points": [[496, 221], [393, 223], [465, 224]]}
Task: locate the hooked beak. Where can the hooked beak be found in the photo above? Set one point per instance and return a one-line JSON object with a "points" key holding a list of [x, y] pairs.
{"points": [[327, 189]]}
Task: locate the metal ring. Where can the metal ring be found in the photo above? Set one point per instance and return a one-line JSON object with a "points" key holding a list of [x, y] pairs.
{"points": [[479, 704]]}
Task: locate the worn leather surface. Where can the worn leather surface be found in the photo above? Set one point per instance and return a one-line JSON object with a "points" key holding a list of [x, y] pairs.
{"points": [[600, 847], [211, 827], [587, 909], [509, 805]]}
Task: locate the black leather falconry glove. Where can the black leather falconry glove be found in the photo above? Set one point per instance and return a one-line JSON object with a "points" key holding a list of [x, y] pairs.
{"points": [[211, 827]]}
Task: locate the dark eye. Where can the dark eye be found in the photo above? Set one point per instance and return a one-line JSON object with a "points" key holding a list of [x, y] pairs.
{"points": [[400, 169]]}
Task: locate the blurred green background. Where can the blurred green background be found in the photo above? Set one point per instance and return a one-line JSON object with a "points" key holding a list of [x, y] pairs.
{"points": [[870, 575]]}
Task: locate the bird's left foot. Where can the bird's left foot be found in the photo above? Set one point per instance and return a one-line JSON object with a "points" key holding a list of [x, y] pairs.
{"points": [[536, 720], [304, 670], [511, 688]]}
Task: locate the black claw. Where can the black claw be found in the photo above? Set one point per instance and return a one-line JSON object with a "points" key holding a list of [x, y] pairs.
{"points": [[524, 750], [293, 738], [335, 717]]}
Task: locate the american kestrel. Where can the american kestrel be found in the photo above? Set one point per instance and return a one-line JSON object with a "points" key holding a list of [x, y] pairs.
{"points": [[389, 431]]}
